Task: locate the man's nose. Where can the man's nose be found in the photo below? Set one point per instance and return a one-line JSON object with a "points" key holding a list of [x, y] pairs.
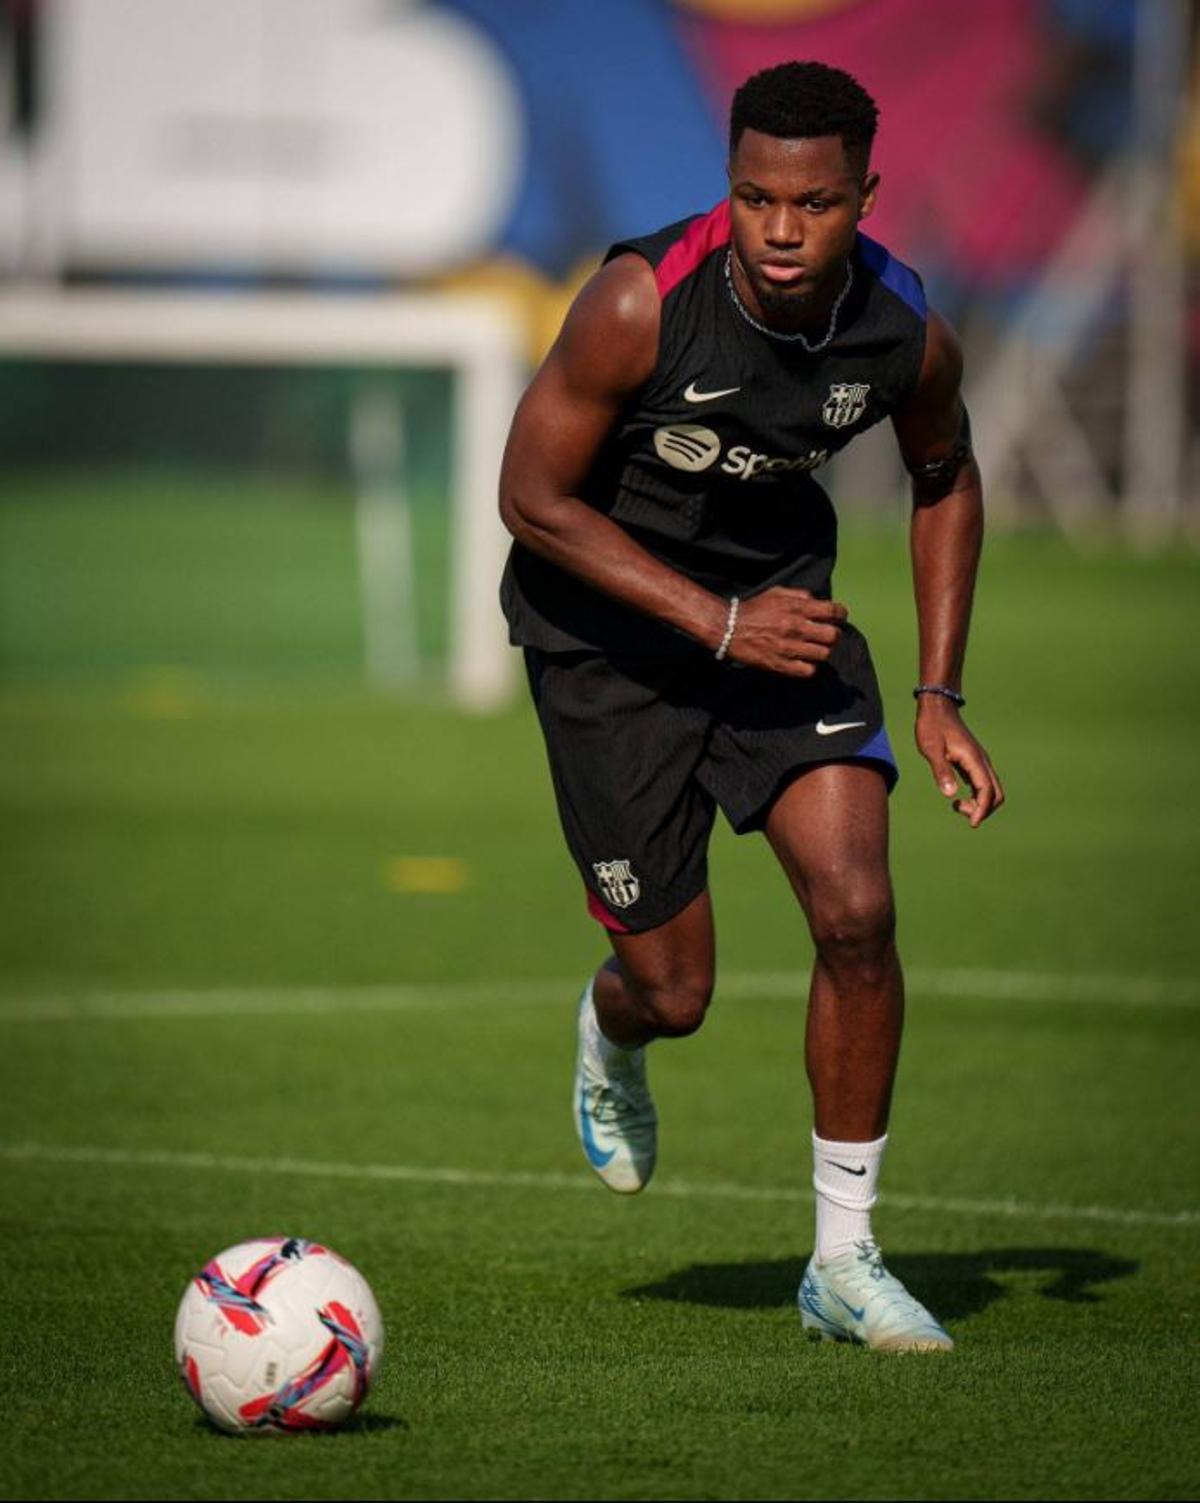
{"points": [[784, 227]]}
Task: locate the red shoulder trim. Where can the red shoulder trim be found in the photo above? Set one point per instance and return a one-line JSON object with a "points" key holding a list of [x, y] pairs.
{"points": [[700, 239]]}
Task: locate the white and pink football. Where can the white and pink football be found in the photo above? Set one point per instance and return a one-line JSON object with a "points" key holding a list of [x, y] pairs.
{"points": [[278, 1334]]}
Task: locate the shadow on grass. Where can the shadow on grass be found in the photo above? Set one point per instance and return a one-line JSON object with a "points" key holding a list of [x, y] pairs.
{"points": [[360, 1424], [952, 1284]]}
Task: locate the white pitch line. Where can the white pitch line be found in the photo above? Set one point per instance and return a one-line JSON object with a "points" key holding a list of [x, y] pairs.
{"points": [[150, 1158], [961, 985]]}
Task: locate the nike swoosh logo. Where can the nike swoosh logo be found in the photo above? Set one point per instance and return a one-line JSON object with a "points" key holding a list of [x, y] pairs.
{"points": [[692, 395], [595, 1154], [842, 725], [858, 1314], [846, 1167]]}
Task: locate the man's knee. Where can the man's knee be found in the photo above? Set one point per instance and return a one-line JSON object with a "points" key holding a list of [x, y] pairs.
{"points": [[674, 1008], [854, 924]]}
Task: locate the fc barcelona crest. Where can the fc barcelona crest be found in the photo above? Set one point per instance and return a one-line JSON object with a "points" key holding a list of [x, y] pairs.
{"points": [[846, 403], [620, 886]]}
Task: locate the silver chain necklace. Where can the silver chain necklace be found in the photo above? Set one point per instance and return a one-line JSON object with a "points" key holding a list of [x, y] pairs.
{"points": [[775, 333]]}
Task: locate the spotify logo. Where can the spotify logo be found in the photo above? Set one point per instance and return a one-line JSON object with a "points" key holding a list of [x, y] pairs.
{"points": [[687, 446]]}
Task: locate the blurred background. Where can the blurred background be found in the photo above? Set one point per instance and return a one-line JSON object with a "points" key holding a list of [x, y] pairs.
{"points": [[272, 273], [272, 276]]}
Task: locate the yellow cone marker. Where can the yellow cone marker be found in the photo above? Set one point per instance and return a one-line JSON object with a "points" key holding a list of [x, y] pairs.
{"points": [[164, 694], [436, 874]]}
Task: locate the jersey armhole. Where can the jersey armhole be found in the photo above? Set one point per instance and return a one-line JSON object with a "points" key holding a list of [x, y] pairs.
{"points": [[625, 248]]}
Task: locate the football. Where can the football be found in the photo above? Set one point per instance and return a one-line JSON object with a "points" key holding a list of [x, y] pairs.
{"points": [[278, 1335]]}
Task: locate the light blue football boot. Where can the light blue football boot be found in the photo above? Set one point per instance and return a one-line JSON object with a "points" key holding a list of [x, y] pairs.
{"points": [[614, 1115], [854, 1298]]}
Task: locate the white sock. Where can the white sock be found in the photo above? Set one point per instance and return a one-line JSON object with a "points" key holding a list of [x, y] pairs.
{"points": [[845, 1176]]}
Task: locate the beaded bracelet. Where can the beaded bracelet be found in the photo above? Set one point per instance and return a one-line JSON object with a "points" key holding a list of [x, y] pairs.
{"points": [[941, 689], [730, 628]]}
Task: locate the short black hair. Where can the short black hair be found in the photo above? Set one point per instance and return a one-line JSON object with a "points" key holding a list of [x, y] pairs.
{"points": [[793, 100]]}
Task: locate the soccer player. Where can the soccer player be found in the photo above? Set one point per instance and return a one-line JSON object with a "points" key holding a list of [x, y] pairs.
{"points": [[670, 583]]}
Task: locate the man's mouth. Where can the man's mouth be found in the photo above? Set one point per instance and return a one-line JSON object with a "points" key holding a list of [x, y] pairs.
{"points": [[783, 273]]}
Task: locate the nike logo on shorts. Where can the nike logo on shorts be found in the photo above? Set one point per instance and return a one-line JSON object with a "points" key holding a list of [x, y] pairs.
{"points": [[842, 725]]}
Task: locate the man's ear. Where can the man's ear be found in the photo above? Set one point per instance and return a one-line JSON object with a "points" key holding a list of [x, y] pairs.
{"points": [[870, 187]]}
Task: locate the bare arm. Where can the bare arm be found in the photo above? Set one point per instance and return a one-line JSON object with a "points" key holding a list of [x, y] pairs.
{"points": [[607, 350], [946, 538]]}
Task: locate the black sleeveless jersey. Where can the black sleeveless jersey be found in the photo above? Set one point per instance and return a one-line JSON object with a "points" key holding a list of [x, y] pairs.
{"points": [[710, 467]]}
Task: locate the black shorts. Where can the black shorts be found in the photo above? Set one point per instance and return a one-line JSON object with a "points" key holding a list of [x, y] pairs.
{"points": [[642, 750]]}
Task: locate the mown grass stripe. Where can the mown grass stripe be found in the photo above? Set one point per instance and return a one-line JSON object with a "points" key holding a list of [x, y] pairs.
{"points": [[961, 984], [150, 1158]]}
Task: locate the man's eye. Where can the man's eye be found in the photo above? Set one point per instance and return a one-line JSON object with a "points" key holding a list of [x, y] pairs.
{"points": [[816, 206]]}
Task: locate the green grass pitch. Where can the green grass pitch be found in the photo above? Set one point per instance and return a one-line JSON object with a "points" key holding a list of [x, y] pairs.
{"points": [[225, 1012]]}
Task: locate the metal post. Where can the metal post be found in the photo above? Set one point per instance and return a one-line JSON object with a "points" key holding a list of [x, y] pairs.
{"points": [[1155, 417], [384, 527]]}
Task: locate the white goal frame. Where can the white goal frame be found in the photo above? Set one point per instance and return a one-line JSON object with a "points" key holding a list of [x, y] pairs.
{"points": [[478, 338]]}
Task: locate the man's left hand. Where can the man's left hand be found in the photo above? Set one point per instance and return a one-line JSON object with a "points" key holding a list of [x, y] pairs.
{"points": [[954, 755]]}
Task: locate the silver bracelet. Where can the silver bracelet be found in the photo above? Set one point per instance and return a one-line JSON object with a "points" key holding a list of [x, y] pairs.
{"points": [[730, 628]]}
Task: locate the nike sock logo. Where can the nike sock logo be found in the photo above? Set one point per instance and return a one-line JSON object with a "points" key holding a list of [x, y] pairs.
{"points": [[847, 1167]]}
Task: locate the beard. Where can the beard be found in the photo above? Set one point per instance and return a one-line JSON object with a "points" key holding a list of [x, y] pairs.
{"points": [[797, 306], [782, 300]]}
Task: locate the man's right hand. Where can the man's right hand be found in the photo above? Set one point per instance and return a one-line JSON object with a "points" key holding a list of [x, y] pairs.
{"points": [[786, 631]]}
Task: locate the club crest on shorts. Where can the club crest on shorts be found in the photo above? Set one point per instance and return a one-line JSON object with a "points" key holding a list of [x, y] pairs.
{"points": [[846, 403], [620, 887]]}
